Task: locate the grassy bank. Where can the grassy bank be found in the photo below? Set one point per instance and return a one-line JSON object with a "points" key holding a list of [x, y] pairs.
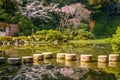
{"points": [[96, 41]]}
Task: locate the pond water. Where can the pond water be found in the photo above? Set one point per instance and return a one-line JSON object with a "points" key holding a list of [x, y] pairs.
{"points": [[98, 71]]}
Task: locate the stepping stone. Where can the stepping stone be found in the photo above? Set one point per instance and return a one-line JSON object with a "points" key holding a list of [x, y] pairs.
{"points": [[61, 55], [47, 55], [14, 61], [86, 58], [27, 59], [70, 57], [38, 57], [2, 60], [103, 58], [114, 57]]}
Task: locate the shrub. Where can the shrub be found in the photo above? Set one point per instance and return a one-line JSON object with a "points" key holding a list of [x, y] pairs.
{"points": [[22, 38], [6, 38], [54, 35], [40, 37], [115, 41], [49, 35], [82, 34], [43, 32], [67, 34]]}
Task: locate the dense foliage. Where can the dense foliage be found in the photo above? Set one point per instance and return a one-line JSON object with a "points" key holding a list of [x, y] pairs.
{"points": [[52, 35], [105, 14], [115, 41]]}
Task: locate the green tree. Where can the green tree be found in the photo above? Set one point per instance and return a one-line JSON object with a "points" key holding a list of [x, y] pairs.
{"points": [[6, 5], [115, 41], [112, 7], [25, 26]]}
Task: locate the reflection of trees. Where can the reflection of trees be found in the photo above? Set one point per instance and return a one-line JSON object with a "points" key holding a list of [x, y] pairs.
{"points": [[7, 72], [99, 75], [5, 51], [114, 70], [67, 48]]}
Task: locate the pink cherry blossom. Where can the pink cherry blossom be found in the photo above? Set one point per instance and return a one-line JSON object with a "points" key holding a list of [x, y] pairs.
{"points": [[72, 15]]}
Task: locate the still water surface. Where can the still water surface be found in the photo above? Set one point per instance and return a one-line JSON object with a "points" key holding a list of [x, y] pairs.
{"points": [[110, 69]]}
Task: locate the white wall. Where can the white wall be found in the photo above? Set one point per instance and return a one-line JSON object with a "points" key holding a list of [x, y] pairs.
{"points": [[2, 33]]}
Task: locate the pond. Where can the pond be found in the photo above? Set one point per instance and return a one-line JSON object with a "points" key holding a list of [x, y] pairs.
{"points": [[97, 71]]}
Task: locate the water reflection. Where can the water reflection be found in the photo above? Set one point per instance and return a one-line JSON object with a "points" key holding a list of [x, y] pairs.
{"points": [[113, 64], [50, 61], [102, 65], [37, 63], [99, 75], [47, 61], [5, 53], [95, 69], [67, 48], [7, 72], [62, 61], [70, 63], [74, 73], [85, 64]]}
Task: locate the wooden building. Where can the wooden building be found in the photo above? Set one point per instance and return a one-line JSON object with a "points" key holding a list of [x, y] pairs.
{"points": [[8, 29]]}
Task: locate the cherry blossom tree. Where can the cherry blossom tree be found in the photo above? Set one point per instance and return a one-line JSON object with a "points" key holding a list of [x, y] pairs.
{"points": [[36, 8], [72, 15]]}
